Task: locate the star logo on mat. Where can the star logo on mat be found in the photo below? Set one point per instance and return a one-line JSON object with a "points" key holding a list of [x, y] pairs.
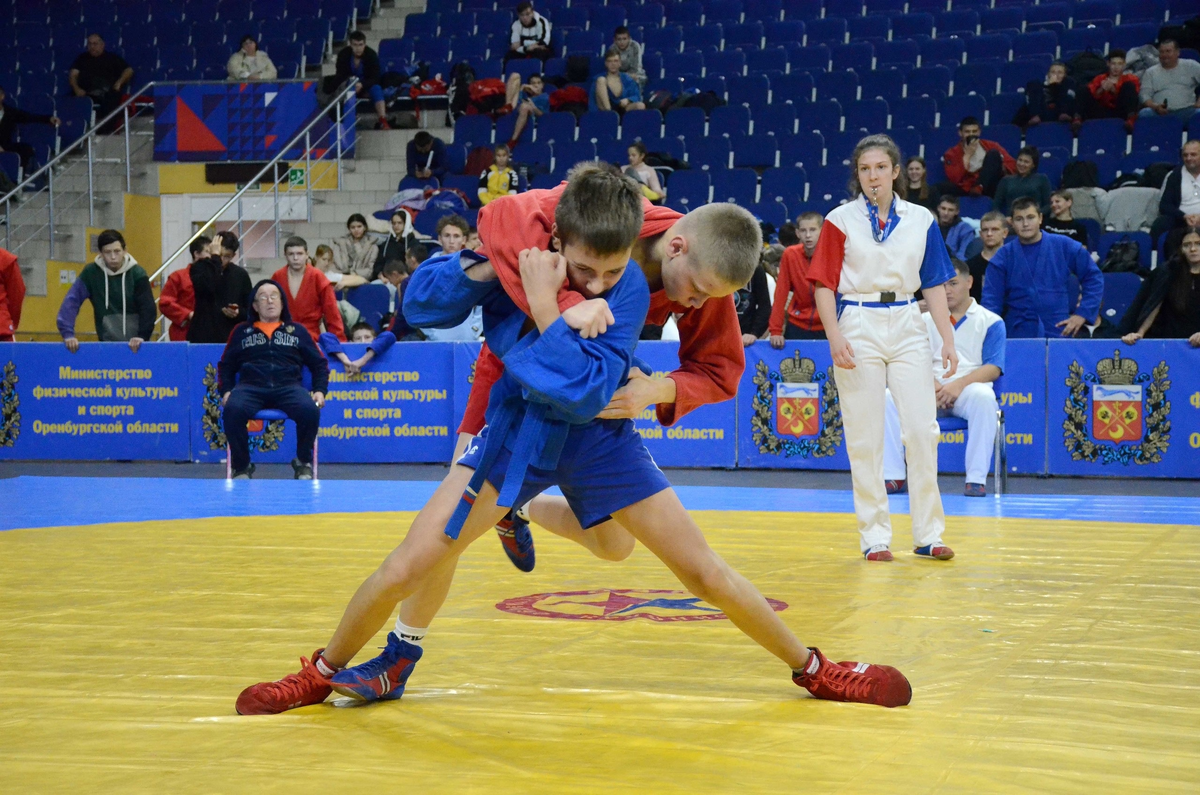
{"points": [[618, 604]]}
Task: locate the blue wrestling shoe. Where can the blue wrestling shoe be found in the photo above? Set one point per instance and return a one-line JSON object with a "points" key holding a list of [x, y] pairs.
{"points": [[380, 679], [514, 534]]}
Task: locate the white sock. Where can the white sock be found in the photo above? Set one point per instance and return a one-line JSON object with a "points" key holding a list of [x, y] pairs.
{"points": [[325, 668], [413, 635]]}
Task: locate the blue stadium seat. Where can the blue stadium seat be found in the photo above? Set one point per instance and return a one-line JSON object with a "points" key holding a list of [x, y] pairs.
{"points": [[778, 118], [582, 42], [671, 146], [1093, 10], [421, 26], [1009, 18], [1119, 292], [615, 152], [842, 86], [1002, 108], [1007, 135], [75, 114], [811, 58], [884, 7], [782, 32], [908, 139], [804, 150], [641, 124], [929, 81], [897, 53], [736, 185], [1106, 165], [473, 131], [533, 154], [1141, 238], [802, 9], [456, 158], [995, 46], [699, 36], [867, 116], [1149, 11], [764, 9], [568, 154], [713, 83], [795, 86], [10, 164], [936, 142], [754, 151], [747, 35], [711, 152], [957, 22], [649, 15], [684, 12], [754, 91], [598, 125], [1126, 37], [976, 78], [829, 30], [840, 146], [574, 18], [948, 50], [859, 56], [910, 26], [665, 40], [952, 109], [1054, 160], [1049, 134], [687, 190], [505, 126], [681, 64], [1079, 40], [176, 56], [1047, 12], [885, 84], [718, 11], [729, 120], [786, 183], [556, 128], [1042, 42], [432, 49], [730, 63], [457, 23], [606, 19], [1158, 134], [823, 116], [774, 213], [828, 184], [686, 123], [1014, 76], [870, 27], [766, 59]]}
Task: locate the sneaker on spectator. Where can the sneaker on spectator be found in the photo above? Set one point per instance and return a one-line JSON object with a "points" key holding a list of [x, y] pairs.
{"points": [[514, 534], [895, 486], [309, 686], [857, 682], [975, 490], [938, 551], [243, 474], [303, 471], [878, 552], [382, 678]]}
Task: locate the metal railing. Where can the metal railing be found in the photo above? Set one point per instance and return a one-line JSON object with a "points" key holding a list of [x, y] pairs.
{"points": [[326, 147], [26, 215]]}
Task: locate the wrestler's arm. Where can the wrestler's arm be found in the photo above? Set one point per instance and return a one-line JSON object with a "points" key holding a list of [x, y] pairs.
{"points": [[441, 294]]}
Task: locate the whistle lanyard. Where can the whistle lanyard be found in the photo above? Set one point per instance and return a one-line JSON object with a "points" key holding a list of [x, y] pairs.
{"points": [[893, 219]]}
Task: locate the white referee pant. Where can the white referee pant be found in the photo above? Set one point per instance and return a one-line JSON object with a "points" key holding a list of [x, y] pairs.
{"points": [[977, 405], [891, 349]]}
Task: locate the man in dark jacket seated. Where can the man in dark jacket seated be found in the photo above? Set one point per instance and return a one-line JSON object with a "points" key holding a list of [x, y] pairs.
{"points": [[265, 357]]}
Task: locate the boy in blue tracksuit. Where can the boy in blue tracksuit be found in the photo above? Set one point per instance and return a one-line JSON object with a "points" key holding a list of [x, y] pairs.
{"points": [[541, 431]]}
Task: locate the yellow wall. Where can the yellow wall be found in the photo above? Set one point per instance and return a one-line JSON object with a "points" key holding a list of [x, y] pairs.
{"points": [[38, 312], [176, 178], [143, 230]]}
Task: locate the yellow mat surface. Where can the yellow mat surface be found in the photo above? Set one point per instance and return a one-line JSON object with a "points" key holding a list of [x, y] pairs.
{"points": [[1047, 657]]}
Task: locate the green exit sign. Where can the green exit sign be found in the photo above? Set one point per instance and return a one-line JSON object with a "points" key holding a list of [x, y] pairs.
{"points": [[296, 178]]}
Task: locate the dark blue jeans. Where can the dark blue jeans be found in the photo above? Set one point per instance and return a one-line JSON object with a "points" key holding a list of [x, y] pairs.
{"points": [[245, 401]]}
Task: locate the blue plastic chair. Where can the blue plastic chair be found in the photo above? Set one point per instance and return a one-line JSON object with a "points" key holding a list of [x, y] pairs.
{"points": [[805, 149], [688, 190], [786, 184], [754, 151], [736, 185], [271, 415]]}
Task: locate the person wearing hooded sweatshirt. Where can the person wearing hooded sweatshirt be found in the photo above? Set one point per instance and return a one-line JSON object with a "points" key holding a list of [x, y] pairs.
{"points": [[120, 293], [12, 295], [261, 368], [220, 288], [395, 246]]}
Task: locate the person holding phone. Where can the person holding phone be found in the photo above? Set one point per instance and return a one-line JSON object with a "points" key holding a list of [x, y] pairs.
{"points": [[222, 288]]}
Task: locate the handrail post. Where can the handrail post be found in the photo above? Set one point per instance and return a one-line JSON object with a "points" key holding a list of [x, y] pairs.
{"points": [[275, 192], [50, 206], [91, 184], [241, 247], [8, 223], [339, 143], [308, 174], [128, 168]]}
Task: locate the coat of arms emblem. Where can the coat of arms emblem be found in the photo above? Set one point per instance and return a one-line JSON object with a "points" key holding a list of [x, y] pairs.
{"points": [[796, 409], [1128, 413]]}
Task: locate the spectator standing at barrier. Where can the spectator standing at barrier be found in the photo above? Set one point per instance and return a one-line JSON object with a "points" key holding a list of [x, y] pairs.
{"points": [[979, 340], [973, 166], [1026, 182], [1061, 221], [177, 301], [1028, 285], [919, 190], [1168, 305], [395, 245], [122, 301], [262, 368], [526, 100], [101, 76], [631, 55], [10, 117], [993, 230], [498, 179], [426, 156], [310, 297], [1052, 99], [222, 289], [363, 334], [1170, 87], [753, 305], [12, 295], [250, 63], [1113, 94], [362, 62], [530, 35], [957, 233], [615, 90], [795, 293], [354, 254], [1179, 205]]}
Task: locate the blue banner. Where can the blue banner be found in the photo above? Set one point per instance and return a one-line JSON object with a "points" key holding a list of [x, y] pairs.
{"points": [[465, 356], [1124, 410], [103, 403], [787, 409], [705, 437]]}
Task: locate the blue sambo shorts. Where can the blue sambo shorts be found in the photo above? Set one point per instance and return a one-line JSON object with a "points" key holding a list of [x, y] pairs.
{"points": [[604, 467]]}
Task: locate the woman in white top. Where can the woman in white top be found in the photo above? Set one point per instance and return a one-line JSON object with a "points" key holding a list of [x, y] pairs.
{"points": [[250, 63], [646, 176], [875, 252]]}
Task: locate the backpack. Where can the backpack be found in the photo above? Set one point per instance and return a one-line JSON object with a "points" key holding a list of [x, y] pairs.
{"points": [[1130, 180], [579, 68], [459, 92], [1085, 66], [486, 96], [659, 99], [1156, 174], [706, 100], [1080, 174], [479, 160], [571, 99], [448, 200], [1122, 257]]}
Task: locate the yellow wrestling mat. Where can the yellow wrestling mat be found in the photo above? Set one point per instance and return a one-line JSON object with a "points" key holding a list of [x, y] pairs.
{"points": [[1050, 656]]}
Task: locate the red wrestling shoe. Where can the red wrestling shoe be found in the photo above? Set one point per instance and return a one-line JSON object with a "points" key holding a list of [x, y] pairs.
{"points": [[879, 552], [861, 683], [309, 686]]}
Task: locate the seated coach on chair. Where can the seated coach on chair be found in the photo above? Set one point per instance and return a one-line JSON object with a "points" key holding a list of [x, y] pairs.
{"points": [[265, 356]]}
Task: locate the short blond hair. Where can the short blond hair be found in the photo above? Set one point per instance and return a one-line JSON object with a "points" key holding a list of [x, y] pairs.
{"points": [[725, 239]]}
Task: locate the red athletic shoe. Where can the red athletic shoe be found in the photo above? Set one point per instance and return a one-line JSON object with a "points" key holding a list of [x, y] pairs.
{"points": [[861, 683], [879, 552], [309, 686]]}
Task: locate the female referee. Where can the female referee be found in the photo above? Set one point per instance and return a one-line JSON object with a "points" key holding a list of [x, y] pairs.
{"points": [[875, 252]]}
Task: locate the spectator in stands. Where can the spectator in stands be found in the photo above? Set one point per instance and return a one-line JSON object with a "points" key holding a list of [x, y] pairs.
{"points": [[392, 276], [794, 293], [1061, 222], [122, 302], [974, 166], [309, 294], [530, 35], [394, 246], [1168, 305], [993, 229], [957, 233], [261, 368], [10, 117], [473, 241], [979, 340], [753, 305], [100, 76], [417, 253], [1113, 94], [919, 190], [498, 179], [354, 253], [452, 235], [12, 295], [631, 55], [1026, 182], [250, 63], [788, 235], [616, 90], [362, 333], [426, 156], [1028, 285], [322, 260], [1179, 205], [1170, 87], [221, 288], [177, 302], [360, 61], [528, 99], [1053, 99], [646, 176]]}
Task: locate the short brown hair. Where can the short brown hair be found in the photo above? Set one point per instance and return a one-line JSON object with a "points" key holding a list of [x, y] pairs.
{"points": [[295, 241], [453, 220], [725, 239], [993, 215], [323, 251], [1063, 194], [600, 209], [961, 267], [811, 215]]}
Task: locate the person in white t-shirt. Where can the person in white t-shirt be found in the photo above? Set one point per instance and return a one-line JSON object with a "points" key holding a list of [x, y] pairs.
{"points": [[979, 339]]}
